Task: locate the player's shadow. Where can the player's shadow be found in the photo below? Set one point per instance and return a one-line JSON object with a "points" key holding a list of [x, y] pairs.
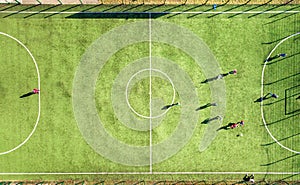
{"points": [[208, 120], [206, 106], [226, 127], [262, 98], [169, 106], [27, 94], [218, 77], [209, 80], [166, 107], [267, 96], [275, 61], [266, 104], [272, 58]]}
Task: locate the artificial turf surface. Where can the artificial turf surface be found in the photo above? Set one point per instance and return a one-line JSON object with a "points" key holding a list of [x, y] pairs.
{"points": [[241, 42]]}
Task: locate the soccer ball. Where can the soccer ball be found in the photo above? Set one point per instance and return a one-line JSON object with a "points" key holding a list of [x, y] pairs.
{"points": [[240, 135]]}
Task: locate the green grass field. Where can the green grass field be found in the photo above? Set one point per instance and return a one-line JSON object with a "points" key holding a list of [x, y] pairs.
{"points": [[63, 44]]}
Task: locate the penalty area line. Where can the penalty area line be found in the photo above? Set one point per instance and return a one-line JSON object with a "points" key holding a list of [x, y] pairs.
{"points": [[39, 95], [262, 94]]}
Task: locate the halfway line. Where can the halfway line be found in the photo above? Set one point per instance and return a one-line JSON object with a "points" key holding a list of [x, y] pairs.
{"points": [[150, 94]]}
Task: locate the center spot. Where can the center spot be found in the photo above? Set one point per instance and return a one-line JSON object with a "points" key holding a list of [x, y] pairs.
{"points": [[146, 97], [158, 89]]}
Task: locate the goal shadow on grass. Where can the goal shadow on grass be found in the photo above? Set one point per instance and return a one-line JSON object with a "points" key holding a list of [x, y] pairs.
{"points": [[274, 142], [277, 40], [283, 119], [284, 17], [280, 160], [293, 8], [282, 79], [290, 176]]}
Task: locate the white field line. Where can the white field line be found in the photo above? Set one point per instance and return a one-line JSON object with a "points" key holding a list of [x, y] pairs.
{"points": [[262, 94], [39, 96], [154, 173], [146, 173], [197, 12], [150, 95]]}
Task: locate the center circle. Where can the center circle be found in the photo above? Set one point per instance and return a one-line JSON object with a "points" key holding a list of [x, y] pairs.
{"points": [[127, 98], [90, 123]]}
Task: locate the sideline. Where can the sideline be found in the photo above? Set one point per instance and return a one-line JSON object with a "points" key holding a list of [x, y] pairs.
{"points": [[156, 173], [198, 12]]}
